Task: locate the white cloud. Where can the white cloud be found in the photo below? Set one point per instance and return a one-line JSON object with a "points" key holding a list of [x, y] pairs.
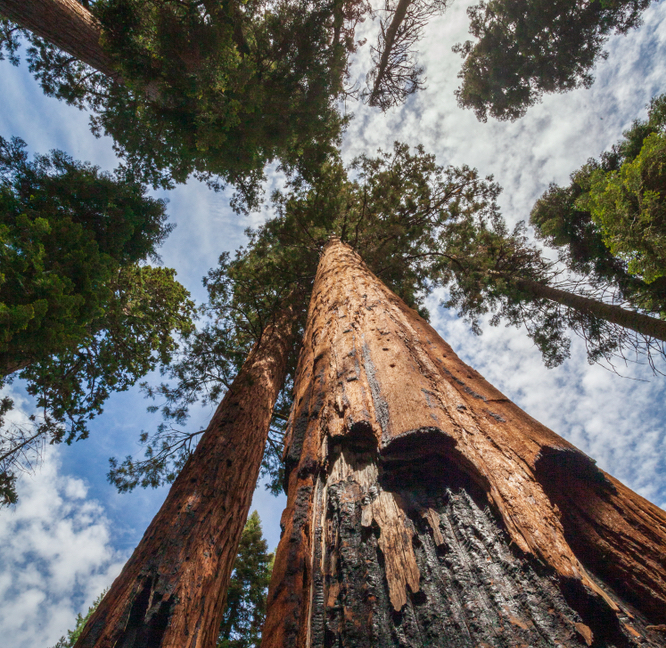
{"points": [[56, 556]]}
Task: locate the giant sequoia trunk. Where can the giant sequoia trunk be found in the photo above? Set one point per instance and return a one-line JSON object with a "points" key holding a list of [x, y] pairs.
{"points": [[426, 509], [65, 23], [171, 591]]}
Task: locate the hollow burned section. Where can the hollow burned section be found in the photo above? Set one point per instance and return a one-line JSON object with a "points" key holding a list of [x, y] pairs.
{"points": [[408, 552]]}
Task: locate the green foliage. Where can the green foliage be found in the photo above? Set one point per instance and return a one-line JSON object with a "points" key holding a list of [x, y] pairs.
{"points": [[217, 90], [526, 48], [246, 597], [64, 229], [81, 316], [601, 223], [629, 206], [394, 209], [81, 620]]}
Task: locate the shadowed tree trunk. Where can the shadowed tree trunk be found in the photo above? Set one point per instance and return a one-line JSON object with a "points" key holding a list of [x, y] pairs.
{"points": [[398, 16], [425, 509], [171, 591], [65, 23], [651, 327]]}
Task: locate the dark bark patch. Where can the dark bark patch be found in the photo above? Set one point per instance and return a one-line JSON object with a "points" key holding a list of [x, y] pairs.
{"points": [[148, 617], [557, 464], [476, 587]]}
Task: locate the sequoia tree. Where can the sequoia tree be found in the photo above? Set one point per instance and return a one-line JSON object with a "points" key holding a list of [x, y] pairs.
{"points": [[426, 509], [171, 592]]}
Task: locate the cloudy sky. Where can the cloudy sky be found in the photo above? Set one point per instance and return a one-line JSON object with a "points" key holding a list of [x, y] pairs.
{"points": [[71, 532]]}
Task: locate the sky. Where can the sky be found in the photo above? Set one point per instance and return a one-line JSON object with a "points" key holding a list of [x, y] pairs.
{"points": [[70, 533]]}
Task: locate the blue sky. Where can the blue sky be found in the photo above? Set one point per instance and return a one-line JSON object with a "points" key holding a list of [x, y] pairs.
{"points": [[71, 532]]}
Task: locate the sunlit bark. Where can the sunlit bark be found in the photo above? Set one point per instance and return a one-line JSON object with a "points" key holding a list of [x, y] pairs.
{"points": [[171, 592], [66, 24], [426, 509]]}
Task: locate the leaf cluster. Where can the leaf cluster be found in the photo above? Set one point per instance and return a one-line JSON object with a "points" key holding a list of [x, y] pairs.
{"points": [[616, 200], [526, 48], [81, 315], [217, 90]]}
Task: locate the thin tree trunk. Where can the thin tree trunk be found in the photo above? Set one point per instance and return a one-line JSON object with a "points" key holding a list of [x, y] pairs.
{"points": [[651, 327], [171, 592], [65, 23], [398, 16], [426, 509]]}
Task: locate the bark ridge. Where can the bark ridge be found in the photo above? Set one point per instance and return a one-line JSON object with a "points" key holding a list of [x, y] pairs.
{"points": [[426, 509]]}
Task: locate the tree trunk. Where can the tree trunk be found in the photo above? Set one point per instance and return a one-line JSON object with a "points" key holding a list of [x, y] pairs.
{"points": [[65, 23], [426, 509], [171, 591], [650, 327], [398, 16]]}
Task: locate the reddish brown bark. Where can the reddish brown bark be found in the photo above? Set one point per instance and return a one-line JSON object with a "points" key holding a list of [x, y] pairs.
{"points": [[65, 23], [426, 509], [171, 592]]}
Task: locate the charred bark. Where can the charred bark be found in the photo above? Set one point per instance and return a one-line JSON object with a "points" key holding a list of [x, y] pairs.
{"points": [[171, 592], [426, 509], [65, 23]]}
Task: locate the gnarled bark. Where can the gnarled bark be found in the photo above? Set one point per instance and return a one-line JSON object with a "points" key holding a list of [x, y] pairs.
{"points": [[171, 592], [65, 23], [426, 509]]}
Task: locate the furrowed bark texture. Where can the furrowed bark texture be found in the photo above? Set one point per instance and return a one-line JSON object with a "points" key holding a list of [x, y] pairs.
{"points": [[651, 327], [65, 23], [426, 509], [171, 592]]}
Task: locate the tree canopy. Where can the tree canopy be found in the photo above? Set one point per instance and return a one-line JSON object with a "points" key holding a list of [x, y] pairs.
{"points": [[246, 597], [526, 48], [82, 316], [217, 90]]}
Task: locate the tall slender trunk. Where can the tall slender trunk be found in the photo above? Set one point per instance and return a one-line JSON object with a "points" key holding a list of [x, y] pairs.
{"points": [[426, 509], [649, 326], [398, 16], [171, 591], [65, 23]]}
